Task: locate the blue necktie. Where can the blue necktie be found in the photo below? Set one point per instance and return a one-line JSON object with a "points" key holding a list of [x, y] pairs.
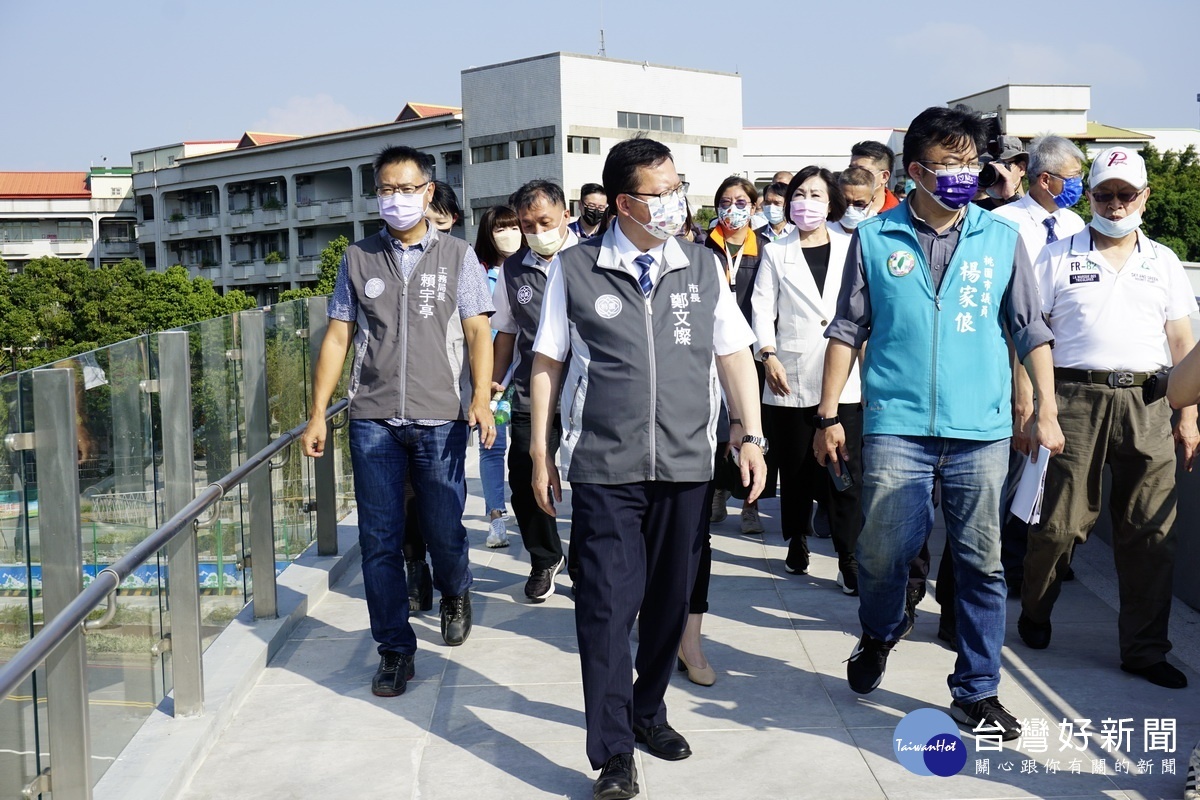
{"points": [[644, 262], [1051, 236]]}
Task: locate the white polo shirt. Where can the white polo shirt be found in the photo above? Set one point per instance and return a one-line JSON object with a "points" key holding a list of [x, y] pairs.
{"points": [[731, 332], [1030, 218], [1108, 320]]}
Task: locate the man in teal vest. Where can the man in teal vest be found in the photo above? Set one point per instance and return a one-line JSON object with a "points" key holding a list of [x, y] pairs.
{"points": [[937, 285]]}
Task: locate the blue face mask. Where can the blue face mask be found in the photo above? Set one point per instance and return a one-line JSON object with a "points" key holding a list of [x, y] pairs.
{"points": [[1071, 192]]}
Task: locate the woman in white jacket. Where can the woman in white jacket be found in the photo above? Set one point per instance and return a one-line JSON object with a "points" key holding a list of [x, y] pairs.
{"points": [[795, 296]]}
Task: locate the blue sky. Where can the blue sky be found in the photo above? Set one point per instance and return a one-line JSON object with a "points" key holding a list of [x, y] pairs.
{"points": [[89, 80]]}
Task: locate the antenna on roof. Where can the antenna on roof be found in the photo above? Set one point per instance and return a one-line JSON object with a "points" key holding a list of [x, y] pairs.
{"points": [[602, 53]]}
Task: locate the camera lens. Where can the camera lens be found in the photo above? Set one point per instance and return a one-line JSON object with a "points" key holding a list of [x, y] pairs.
{"points": [[988, 176]]}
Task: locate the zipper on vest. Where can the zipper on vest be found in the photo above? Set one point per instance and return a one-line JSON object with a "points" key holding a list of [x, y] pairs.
{"points": [[933, 357], [653, 386], [402, 331]]}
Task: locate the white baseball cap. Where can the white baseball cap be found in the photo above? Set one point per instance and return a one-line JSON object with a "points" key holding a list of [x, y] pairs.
{"points": [[1119, 163]]}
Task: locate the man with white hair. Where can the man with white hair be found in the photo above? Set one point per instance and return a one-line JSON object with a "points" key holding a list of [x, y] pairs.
{"points": [[1117, 303], [1043, 215]]}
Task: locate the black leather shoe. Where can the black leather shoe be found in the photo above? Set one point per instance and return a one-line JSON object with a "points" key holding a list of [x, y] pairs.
{"points": [[1034, 634], [456, 619], [420, 586], [394, 673], [618, 779], [663, 741], [1160, 674]]}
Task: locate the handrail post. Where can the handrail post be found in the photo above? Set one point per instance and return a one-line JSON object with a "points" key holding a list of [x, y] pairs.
{"points": [[179, 489], [258, 437], [57, 449], [324, 476]]}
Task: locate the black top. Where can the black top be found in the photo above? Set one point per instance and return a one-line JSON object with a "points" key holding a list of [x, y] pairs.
{"points": [[818, 263]]}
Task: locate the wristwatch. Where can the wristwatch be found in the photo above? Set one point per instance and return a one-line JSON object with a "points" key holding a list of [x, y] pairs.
{"points": [[764, 355], [761, 441], [826, 422]]}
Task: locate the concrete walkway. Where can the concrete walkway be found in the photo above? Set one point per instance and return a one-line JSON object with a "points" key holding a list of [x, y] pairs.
{"points": [[502, 716]]}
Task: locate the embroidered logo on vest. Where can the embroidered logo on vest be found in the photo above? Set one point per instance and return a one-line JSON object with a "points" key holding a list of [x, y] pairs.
{"points": [[608, 306], [900, 263], [374, 288], [524, 294]]}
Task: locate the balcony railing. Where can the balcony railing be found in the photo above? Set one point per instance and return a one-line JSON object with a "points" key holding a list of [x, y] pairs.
{"points": [[158, 506]]}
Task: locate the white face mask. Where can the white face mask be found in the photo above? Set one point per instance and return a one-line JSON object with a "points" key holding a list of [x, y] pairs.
{"points": [[855, 215], [546, 243], [1116, 228], [507, 241]]}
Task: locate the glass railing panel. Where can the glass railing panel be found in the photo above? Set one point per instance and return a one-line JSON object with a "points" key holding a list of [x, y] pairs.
{"points": [[22, 713], [287, 400], [120, 456], [218, 447]]}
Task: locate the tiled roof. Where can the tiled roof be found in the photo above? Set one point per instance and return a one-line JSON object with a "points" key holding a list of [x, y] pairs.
{"points": [[255, 138], [69, 185], [413, 111]]}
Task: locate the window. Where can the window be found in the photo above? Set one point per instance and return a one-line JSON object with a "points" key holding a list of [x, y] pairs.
{"points": [[141, 166], [18, 230], [542, 146], [649, 122], [146, 204], [714, 155], [489, 152], [117, 191], [588, 145], [170, 161], [72, 230]]}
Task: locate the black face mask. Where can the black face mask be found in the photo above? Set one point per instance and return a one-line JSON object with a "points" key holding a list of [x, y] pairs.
{"points": [[592, 216]]}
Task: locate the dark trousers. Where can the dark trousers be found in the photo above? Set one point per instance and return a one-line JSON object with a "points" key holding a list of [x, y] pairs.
{"points": [[698, 603], [539, 531], [804, 480], [638, 545]]}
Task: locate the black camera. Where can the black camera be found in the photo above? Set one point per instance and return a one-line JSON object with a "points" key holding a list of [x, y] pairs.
{"points": [[988, 176]]}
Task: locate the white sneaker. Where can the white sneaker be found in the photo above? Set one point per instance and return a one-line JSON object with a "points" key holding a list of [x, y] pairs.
{"points": [[719, 512], [498, 535], [750, 520], [1192, 788]]}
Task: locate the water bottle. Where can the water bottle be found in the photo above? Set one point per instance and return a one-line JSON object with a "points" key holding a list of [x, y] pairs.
{"points": [[501, 408]]}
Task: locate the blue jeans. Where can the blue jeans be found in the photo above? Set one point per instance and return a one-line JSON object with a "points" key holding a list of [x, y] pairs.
{"points": [[898, 475], [382, 455], [491, 470]]}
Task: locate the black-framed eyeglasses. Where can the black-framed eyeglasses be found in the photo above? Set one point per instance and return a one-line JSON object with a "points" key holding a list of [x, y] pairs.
{"points": [[956, 168], [682, 188], [741, 202], [591, 207], [861, 205], [388, 191], [1125, 196]]}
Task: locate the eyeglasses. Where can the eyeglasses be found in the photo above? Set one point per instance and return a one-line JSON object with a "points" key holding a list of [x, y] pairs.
{"points": [[955, 168], [861, 205], [1125, 196], [664, 196], [388, 191], [591, 207], [1064, 178], [740, 203]]}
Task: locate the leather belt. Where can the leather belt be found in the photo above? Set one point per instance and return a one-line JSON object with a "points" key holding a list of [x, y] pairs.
{"points": [[1117, 380]]}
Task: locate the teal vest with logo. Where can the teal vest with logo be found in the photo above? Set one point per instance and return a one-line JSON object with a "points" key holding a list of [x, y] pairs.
{"points": [[937, 363]]}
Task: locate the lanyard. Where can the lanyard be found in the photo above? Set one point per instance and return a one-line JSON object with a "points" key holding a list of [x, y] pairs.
{"points": [[731, 265]]}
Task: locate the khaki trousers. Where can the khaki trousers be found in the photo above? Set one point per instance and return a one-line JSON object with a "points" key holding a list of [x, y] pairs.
{"points": [[1103, 425]]}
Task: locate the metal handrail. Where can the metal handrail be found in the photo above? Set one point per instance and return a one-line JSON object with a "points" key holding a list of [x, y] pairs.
{"points": [[55, 631]]}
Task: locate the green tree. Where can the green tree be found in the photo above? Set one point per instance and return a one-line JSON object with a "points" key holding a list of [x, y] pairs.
{"points": [[1172, 214], [55, 308], [331, 259]]}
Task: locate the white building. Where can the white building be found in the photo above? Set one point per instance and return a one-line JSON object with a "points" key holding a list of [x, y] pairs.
{"points": [[255, 213], [555, 116], [70, 215]]}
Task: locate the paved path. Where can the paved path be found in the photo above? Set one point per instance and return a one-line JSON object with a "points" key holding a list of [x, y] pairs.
{"points": [[502, 716]]}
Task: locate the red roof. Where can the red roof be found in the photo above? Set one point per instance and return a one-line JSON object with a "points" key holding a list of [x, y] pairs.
{"points": [[255, 138], [413, 111], [68, 185]]}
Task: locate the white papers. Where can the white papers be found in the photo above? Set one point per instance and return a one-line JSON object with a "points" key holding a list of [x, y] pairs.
{"points": [[1027, 502]]}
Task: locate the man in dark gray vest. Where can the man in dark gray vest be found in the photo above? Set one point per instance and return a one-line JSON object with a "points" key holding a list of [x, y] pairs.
{"points": [[541, 209], [417, 305], [650, 326]]}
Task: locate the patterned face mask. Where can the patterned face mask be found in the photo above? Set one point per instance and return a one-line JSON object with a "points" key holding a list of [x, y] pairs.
{"points": [[734, 218], [667, 217]]}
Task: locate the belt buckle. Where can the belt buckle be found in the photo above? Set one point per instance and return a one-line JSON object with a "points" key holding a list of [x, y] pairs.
{"points": [[1120, 379]]}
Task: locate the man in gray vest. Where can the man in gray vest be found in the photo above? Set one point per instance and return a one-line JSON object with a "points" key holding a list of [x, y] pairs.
{"points": [[541, 209], [417, 305], [642, 315]]}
